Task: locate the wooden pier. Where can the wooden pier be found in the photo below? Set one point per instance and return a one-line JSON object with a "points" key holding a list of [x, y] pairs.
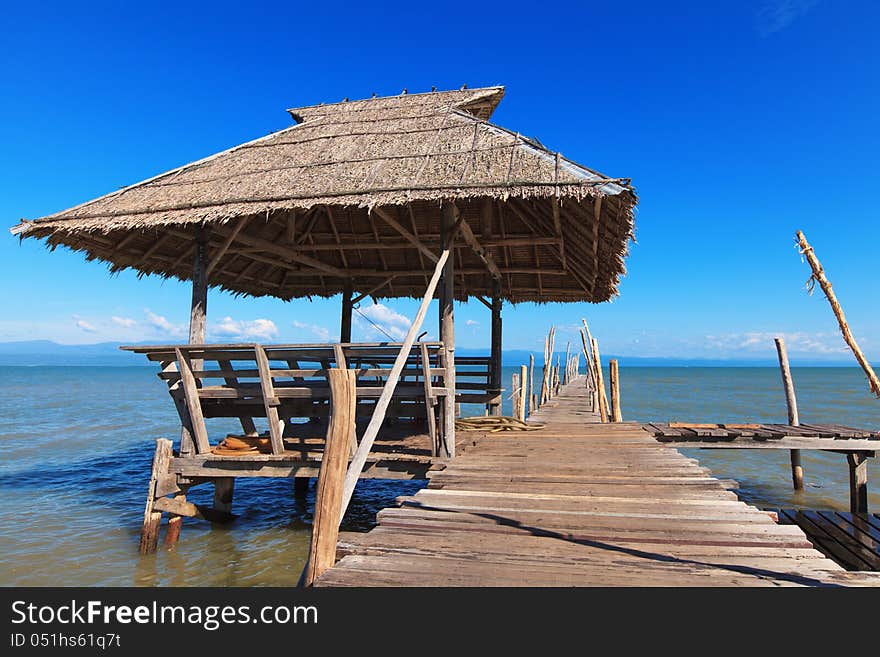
{"points": [[579, 503]]}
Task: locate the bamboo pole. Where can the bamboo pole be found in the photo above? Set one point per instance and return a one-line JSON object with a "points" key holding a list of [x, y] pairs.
{"points": [[615, 391], [366, 444], [532, 404], [329, 506], [797, 469], [523, 390], [600, 383], [825, 284]]}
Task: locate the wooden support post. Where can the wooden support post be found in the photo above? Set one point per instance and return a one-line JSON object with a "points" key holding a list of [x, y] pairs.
{"points": [[523, 390], [175, 522], [566, 374], [797, 468], [198, 313], [300, 487], [615, 391], [858, 482], [345, 327], [153, 518], [430, 399], [495, 361], [199, 307], [331, 477], [532, 401], [600, 383], [224, 488], [447, 325]]}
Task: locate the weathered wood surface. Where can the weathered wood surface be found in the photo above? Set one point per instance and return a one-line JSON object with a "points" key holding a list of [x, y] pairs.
{"points": [[778, 436], [578, 503], [850, 539]]}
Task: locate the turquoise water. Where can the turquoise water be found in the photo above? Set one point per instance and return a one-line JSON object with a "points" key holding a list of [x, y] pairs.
{"points": [[77, 444]]}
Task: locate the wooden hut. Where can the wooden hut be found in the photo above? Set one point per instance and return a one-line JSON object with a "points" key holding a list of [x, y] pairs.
{"points": [[381, 198]]}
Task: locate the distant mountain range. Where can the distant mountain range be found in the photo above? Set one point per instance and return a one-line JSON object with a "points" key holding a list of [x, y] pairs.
{"points": [[45, 352]]}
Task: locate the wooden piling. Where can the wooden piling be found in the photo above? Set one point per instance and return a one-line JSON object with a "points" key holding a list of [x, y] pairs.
{"points": [[175, 523], [858, 482], [224, 489], [331, 477], [615, 390], [515, 395], [152, 518], [797, 468], [495, 354], [446, 294], [532, 401], [523, 390], [600, 383], [300, 487]]}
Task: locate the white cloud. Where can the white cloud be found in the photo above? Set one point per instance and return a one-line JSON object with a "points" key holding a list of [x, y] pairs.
{"points": [[256, 329], [160, 323], [388, 320], [84, 325], [776, 15], [471, 322], [124, 322], [752, 342], [318, 331]]}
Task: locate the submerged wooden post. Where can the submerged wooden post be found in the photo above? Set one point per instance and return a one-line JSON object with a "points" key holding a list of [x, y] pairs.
{"points": [[615, 391], [224, 489], [858, 482], [495, 360], [797, 468], [600, 383], [331, 477], [523, 396], [300, 486], [175, 522], [825, 284], [345, 319], [152, 518], [447, 326]]}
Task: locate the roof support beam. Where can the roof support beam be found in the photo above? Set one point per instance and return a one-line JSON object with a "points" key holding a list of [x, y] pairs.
{"points": [[229, 239], [289, 255], [412, 239], [477, 248]]}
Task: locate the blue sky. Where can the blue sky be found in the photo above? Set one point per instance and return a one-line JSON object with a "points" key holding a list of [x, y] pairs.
{"points": [[738, 123]]}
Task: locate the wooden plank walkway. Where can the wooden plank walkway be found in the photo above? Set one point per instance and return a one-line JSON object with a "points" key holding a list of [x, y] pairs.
{"points": [[850, 539], [578, 504]]}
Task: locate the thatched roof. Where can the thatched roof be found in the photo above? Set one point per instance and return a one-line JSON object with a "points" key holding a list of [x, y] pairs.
{"points": [[309, 209]]}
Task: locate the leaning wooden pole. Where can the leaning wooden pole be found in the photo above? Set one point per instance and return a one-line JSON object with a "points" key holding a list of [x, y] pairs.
{"points": [[797, 469], [600, 383], [372, 430], [523, 393], [614, 373], [331, 477], [825, 284]]}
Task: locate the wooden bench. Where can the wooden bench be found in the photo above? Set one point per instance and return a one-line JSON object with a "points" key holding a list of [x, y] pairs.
{"points": [[473, 381], [281, 382]]}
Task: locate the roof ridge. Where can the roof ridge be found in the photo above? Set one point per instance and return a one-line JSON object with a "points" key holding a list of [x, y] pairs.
{"points": [[473, 95]]}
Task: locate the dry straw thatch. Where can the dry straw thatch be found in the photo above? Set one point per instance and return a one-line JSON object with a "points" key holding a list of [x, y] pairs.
{"points": [[341, 199]]}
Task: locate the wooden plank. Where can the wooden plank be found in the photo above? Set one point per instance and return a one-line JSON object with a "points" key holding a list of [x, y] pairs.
{"points": [[270, 401], [331, 479], [193, 406]]}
